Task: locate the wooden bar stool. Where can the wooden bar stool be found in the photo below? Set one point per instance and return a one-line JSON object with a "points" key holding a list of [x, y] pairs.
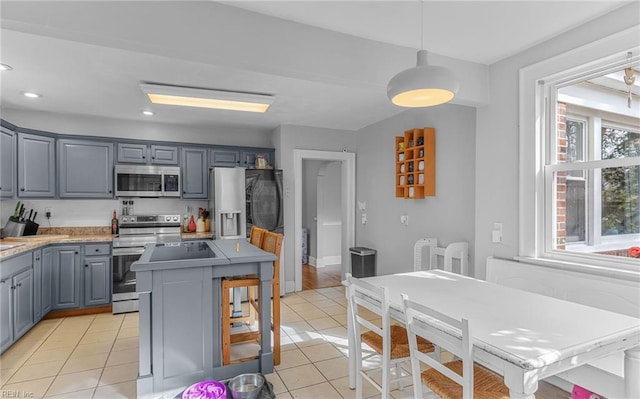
{"points": [[271, 242]]}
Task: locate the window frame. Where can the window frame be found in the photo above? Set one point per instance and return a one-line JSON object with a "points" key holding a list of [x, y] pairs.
{"points": [[538, 86]]}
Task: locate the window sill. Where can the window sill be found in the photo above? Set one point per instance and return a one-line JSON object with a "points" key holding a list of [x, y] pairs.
{"points": [[628, 270]]}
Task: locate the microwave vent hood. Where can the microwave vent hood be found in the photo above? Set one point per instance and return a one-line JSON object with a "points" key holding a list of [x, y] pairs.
{"points": [[147, 181]]}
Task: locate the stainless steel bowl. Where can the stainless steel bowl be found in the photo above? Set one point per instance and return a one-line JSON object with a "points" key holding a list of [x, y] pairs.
{"points": [[246, 386]]}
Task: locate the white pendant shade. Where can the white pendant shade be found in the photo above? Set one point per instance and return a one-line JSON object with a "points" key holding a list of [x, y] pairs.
{"points": [[423, 85]]}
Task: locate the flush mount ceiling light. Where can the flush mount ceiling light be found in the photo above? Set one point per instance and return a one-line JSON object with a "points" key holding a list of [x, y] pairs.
{"points": [[206, 98], [5, 67], [31, 94], [147, 113], [423, 85]]}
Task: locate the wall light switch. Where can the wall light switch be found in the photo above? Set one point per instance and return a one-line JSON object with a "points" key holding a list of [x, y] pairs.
{"points": [[404, 219], [496, 232], [363, 218], [362, 205]]}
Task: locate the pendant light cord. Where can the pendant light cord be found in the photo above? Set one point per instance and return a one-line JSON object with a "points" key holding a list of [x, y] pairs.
{"points": [[421, 25]]}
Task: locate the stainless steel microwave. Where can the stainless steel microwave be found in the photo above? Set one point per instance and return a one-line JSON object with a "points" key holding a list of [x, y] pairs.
{"points": [[147, 181]]}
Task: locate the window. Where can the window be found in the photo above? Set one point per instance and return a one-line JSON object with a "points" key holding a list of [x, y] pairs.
{"points": [[580, 158]]}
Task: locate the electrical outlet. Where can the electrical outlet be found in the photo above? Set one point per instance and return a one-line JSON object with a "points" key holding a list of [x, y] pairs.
{"points": [[48, 211]]}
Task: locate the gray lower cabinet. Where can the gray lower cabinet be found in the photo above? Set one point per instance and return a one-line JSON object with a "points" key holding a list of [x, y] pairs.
{"points": [[85, 169], [37, 285], [66, 277], [36, 166], [97, 274], [81, 276], [195, 170], [8, 164], [42, 269], [16, 299], [47, 278]]}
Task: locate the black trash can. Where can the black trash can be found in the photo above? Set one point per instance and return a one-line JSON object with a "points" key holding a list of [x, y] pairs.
{"points": [[363, 262]]}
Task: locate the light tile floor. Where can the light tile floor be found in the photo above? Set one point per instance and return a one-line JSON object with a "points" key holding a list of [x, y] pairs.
{"points": [[96, 356]]}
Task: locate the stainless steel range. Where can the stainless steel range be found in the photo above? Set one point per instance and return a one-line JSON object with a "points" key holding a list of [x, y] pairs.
{"points": [[135, 232]]}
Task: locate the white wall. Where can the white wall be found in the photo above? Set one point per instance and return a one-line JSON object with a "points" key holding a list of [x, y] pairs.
{"points": [[449, 215], [68, 213], [310, 201], [329, 227], [285, 139], [497, 133], [135, 129]]}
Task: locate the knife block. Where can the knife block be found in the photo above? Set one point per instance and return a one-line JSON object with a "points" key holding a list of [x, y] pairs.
{"points": [[14, 228], [30, 228]]}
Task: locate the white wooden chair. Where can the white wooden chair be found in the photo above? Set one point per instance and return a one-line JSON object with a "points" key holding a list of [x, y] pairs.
{"points": [[456, 379], [389, 341], [456, 250]]}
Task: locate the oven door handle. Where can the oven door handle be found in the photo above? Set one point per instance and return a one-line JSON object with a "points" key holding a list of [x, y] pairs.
{"points": [[127, 251]]}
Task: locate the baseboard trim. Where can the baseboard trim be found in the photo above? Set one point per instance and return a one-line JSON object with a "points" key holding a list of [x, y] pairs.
{"points": [[56, 314], [329, 260], [289, 286]]}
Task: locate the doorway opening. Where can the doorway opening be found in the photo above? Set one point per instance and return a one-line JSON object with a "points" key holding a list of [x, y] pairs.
{"points": [[326, 212]]}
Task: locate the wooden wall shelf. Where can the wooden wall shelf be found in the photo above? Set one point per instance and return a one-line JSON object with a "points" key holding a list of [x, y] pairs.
{"points": [[416, 163]]}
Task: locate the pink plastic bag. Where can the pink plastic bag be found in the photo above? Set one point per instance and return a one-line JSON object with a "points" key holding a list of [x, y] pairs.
{"points": [[581, 393]]}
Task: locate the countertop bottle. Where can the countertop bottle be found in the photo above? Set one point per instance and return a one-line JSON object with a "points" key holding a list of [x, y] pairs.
{"points": [[200, 225], [114, 223], [192, 225]]}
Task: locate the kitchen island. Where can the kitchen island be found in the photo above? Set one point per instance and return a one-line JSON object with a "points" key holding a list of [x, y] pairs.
{"points": [[179, 286]]}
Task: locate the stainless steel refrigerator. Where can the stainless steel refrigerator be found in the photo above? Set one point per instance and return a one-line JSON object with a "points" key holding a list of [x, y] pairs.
{"points": [[264, 199], [227, 202]]}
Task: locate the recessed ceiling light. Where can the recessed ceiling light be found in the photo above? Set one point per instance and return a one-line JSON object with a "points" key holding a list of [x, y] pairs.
{"points": [[5, 67], [31, 94], [206, 98], [147, 113]]}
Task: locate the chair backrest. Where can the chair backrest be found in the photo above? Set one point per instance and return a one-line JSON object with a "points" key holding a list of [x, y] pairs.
{"points": [[374, 299], [456, 250], [418, 249], [256, 236], [444, 331], [272, 242]]}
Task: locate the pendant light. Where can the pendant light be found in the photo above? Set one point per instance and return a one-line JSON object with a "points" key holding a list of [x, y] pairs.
{"points": [[423, 85]]}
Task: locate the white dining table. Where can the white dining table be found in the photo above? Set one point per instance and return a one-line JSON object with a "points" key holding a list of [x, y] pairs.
{"points": [[522, 336]]}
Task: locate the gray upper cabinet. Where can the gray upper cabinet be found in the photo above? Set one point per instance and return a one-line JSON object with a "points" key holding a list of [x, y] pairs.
{"points": [[145, 154], [36, 166], [164, 155], [132, 153], [8, 162], [195, 170], [223, 157], [66, 277], [85, 168]]}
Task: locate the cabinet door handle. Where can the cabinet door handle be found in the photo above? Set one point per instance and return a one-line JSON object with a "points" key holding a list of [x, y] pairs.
{"points": [[86, 265], [143, 157], [76, 252], [110, 191], [3, 281], [19, 284], [97, 249], [13, 287], [22, 189]]}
